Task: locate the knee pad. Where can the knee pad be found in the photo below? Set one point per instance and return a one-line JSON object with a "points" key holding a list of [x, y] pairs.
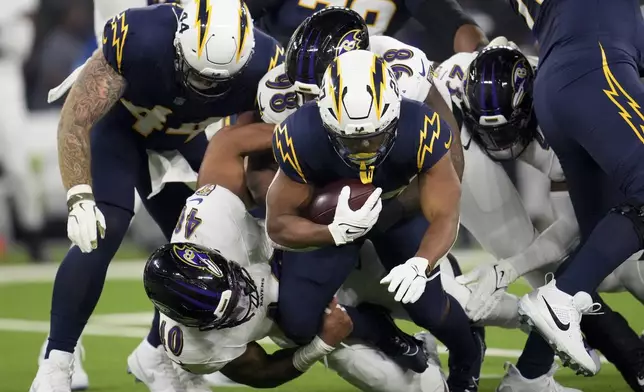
{"points": [[635, 212]]}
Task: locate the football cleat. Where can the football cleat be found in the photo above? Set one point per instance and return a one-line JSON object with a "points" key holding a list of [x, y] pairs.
{"points": [[407, 351], [54, 373], [556, 316], [152, 366], [513, 381], [80, 379]]}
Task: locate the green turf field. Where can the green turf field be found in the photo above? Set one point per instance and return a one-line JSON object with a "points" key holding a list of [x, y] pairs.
{"points": [[122, 316]]}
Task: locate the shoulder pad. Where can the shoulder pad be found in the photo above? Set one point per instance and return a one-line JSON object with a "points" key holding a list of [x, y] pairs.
{"points": [[276, 96], [139, 35], [448, 77], [410, 64]]}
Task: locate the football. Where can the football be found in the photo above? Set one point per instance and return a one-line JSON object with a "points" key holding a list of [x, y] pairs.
{"points": [[322, 207]]}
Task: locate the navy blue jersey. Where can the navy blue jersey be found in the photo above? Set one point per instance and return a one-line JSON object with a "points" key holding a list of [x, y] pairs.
{"points": [[139, 45], [305, 154], [574, 25]]}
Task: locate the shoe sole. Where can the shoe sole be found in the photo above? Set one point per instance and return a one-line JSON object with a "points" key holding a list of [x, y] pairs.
{"points": [[566, 359]]}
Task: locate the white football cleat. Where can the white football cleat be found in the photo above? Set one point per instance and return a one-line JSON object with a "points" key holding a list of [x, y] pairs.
{"points": [[219, 380], [153, 367], [54, 373], [556, 315], [513, 381], [80, 379]]}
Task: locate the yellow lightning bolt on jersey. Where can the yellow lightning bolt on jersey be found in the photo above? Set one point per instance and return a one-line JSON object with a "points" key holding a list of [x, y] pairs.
{"points": [[286, 149], [615, 91], [118, 42], [423, 148], [279, 52]]}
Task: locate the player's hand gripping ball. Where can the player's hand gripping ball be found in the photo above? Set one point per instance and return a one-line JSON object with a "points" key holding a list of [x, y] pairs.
{"points": [[348, 207]]}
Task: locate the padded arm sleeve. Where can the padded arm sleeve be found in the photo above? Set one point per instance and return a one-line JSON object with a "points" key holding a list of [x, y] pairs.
{"points": [[554, 243]]}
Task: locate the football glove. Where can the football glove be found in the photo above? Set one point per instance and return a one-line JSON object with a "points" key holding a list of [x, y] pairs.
{"points": [[408, 280], [84, 218], [488, 284], [349, 225]]}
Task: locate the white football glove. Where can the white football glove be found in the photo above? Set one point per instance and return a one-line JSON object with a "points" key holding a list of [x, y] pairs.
{"points": [[408, 280], [488, 284], [349, 225], [84, 218]]}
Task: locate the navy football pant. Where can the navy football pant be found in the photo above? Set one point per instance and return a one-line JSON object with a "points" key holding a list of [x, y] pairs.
{"points": [[595, 124], [309, 280], [119, 166]]}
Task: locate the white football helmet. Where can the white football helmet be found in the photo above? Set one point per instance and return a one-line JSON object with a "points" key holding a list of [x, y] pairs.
{"points": [[214, 42], [359, 103]]}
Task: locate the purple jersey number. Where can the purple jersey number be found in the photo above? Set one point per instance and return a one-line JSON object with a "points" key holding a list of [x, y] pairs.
{"points": [[191, 222]]}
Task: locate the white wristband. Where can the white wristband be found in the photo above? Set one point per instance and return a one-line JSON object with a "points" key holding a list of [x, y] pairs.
{"points": [[78, 189], [308, 355]]}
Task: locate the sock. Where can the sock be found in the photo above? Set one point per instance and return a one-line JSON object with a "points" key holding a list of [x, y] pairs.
{"points": [[537, 357], [455, 333], [153, 336], [613, 240], [610, 333], [79, 282]]}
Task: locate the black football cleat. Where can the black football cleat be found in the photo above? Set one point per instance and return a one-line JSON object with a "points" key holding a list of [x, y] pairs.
{"points": [[407, 351]]}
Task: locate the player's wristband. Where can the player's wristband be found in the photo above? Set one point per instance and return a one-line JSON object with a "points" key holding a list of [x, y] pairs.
{"points": [[78, 193], [308, 355]]}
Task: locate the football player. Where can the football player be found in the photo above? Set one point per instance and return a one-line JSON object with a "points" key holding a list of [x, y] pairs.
{"points": [[217, 217], [588, 97], [360, 128], [104, 10], [445, 18], [203, 341], [287, 86], [163, 75], [496, 113]]}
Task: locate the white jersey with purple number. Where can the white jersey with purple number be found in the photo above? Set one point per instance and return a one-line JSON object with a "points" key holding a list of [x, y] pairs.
{"points": [[491, 207], [277, 99], [216, 218]]}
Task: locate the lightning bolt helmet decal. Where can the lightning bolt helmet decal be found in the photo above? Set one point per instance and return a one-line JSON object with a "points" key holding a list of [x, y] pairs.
{"points": [[202, 24]]}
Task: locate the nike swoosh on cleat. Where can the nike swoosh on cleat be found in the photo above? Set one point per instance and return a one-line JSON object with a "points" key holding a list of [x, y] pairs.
{"points": [[640, 381], [560, 325], [467, 146], [422, 73]]}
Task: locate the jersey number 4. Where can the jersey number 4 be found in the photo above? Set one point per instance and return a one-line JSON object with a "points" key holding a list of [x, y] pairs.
{"points": [[150, 120], [188, 223]]}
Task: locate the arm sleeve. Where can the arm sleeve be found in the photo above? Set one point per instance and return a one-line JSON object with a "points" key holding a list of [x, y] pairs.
{"points": [[434, 140], [555, 242], [285, 150], [442, 18]]}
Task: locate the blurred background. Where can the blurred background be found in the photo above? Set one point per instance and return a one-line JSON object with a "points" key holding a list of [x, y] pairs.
{"points": [[42, 41]]}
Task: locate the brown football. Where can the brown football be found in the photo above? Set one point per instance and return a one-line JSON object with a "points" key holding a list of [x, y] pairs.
{"points": [[322, 207]]}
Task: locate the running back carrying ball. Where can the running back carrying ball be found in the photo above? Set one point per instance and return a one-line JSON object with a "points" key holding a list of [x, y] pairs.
{"points": [[322, 207]]}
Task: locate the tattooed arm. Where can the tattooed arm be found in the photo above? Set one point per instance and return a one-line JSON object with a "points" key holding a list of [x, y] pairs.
{"points": [[96, 90]]}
